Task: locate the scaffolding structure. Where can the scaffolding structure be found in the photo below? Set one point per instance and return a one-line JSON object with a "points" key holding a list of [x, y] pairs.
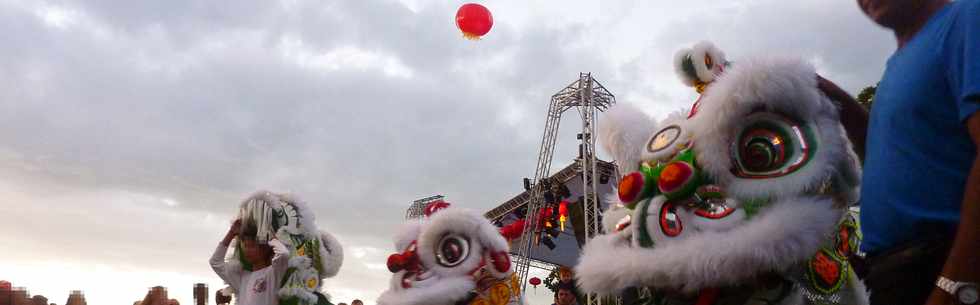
{"points": [[417, 209], [588, 97]]}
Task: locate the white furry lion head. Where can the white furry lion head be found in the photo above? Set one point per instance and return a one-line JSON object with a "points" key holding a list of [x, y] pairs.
{"points": [[446, 258], [314, 255], [751, 181]]}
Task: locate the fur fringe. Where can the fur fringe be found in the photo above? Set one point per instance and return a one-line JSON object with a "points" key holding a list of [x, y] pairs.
{"points": [[781, 85], [622, 133], [450, 290], [331, 255], [785, 233]]}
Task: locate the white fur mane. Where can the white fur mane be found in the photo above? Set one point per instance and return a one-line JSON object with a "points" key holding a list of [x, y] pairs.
{"points": [[783, 234], [781, 85]]}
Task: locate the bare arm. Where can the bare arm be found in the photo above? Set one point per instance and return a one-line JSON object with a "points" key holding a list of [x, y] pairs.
{"points": [[963, 77], [963, 263], [852, 115]]}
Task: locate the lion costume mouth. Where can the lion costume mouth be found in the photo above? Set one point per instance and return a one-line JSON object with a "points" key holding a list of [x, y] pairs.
{"points": [[432, 290], [786, 232], [417, 280]]}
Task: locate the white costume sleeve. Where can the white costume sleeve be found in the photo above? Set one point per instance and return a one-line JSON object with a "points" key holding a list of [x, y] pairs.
{"points": [[220, 267], [280, 259]]}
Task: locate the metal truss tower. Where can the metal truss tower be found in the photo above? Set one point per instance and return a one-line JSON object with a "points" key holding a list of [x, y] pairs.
{"points": [[588, 97], [417, 209]]}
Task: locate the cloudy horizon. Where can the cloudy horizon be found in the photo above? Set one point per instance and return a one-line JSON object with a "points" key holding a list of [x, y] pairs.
{"points": [[132, 129]]}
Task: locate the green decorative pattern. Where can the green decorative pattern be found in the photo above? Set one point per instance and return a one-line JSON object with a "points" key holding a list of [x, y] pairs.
{"points": [[827, 272], [645, 240], [753, 206]]}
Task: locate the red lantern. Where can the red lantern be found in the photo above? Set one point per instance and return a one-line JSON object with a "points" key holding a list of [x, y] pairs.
{"points": [[513, 230], [563, 213], [544, 219], [474, 20], [535, 281]]}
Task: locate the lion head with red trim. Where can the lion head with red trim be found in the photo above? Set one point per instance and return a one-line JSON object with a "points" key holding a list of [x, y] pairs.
{"points": [[452, 256]]}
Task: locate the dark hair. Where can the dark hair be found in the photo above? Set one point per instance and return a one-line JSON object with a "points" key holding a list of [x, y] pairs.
{"points": [[249, 230], [565, 286]]}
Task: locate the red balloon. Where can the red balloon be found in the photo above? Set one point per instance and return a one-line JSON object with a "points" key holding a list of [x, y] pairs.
{"points": [[535, 281], [474, 20]]}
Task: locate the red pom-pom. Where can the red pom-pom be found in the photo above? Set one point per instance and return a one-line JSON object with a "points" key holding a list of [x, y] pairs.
{"points": [[396, 262], [630, 188], [675, 175]]}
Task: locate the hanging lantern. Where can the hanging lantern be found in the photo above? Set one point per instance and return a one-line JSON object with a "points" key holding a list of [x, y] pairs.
{"points": [[562, 214], [545, 220], [534, 281], [513, 230], [473, 20]]}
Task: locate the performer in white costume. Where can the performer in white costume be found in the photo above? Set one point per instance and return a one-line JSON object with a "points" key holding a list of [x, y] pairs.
{"points": [[297, 255]]}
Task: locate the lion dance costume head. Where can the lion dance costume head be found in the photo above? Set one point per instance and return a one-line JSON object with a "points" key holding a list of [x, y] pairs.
{"points": [[742, 199], [452, 256], [314, 255]]}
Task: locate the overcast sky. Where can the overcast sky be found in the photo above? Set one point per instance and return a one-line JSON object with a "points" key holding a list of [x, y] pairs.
{"points": [[130, 130]]}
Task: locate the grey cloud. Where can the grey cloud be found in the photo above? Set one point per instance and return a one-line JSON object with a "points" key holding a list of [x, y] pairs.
{"points": [[196, 102], [837, 36], [208, 126]]}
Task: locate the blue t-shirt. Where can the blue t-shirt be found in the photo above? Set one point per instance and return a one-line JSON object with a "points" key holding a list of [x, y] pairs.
{"points": [[918, 152]]}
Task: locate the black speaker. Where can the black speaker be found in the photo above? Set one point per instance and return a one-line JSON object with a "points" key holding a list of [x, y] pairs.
{"points": [[548, 243]]}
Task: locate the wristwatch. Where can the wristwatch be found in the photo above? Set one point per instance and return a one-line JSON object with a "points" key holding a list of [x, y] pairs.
{"points": [[964, 292]]}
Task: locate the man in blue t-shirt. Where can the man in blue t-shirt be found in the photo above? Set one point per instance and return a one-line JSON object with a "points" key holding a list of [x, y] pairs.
{"points": [[920, 198]]}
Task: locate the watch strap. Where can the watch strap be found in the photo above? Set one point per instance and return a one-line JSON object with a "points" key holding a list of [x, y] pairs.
{"points": [[947, 285], [952, 287]]}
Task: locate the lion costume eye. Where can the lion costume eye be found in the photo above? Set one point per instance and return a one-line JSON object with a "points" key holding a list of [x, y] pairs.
{"points": [[669, 221], [656, 220], [452, 250], [770, 145]]}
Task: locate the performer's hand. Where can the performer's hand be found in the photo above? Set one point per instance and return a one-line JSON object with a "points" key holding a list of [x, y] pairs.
{"points": [[232, 232], [939, 297], [235, 227]]}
